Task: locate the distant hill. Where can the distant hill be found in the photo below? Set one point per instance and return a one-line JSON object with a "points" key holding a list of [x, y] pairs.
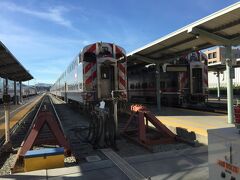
{"points": [[43, 87]]}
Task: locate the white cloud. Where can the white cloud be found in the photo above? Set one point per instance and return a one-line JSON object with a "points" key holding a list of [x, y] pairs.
{"points": [[54, 14], [45, 55]]}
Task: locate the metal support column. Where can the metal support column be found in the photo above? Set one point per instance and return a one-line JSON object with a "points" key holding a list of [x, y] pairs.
{"points": [[229, 84], [158, 87], [218, 86], [6, 86], [15, 92], [20, 92], [6, 100]]}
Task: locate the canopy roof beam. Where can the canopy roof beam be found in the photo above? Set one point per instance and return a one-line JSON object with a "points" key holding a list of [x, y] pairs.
{"points": [[213, 38], [210, 37], [236, 41], [145, 59]]}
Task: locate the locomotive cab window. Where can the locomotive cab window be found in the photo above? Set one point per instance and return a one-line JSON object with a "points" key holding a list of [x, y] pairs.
{"points": [[104, 72], [105, 52]]}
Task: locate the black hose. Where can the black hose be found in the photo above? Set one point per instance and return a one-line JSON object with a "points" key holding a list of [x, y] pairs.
{"points": [[110, 132], [93, 129], [101, 131]]}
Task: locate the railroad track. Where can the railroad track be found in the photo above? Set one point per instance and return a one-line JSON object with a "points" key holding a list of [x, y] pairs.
{"points": [[18, 133], [21, 126], [45, 136], [76, 129], [21, 130]]}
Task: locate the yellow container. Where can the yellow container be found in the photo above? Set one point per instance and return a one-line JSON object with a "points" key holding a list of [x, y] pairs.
{"points": [[44, 159]]}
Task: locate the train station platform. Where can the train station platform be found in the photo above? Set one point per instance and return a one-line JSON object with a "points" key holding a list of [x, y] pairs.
{"points": [[17, 112], [189, 164], [194, 121]]}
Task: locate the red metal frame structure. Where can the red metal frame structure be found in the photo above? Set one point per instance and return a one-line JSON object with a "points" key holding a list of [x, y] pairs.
{"points": [[45, 117], [141, 117]]}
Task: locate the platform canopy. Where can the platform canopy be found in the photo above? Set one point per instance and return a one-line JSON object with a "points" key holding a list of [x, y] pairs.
{"points": [[10, 67], [219, 28]]}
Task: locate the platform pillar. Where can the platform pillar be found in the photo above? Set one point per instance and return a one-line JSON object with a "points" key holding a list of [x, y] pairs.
{"points": [[15, 92], [229, 84], [7, 122], [20, 91], [158, 89], [6, 86], [6, 101], [218, 86]]}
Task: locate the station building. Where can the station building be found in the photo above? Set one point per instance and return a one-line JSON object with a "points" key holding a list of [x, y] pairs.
{"points": [[215, 56]]}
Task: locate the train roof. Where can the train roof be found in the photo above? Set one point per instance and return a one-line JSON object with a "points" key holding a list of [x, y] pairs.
{"points": [[219, 28], [86, 48]]}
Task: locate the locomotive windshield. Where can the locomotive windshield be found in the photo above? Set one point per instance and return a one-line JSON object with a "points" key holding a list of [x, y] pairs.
{"points": [[89, 57], [197, 80]]}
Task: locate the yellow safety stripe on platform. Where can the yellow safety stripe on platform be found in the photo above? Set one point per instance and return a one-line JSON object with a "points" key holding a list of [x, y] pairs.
{"points": [[18, 116], [197, 130], [207, 112], [196, 126]]}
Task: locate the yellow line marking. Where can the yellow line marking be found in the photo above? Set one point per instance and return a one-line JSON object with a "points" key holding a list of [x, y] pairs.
{"points": [[204, 112], [18, 108], [18, 116], [185, 122], [189, 125], [199, 131]]}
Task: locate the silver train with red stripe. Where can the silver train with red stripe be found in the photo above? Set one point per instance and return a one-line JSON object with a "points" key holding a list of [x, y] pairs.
{"points": [[97, 73], [182, 81]]}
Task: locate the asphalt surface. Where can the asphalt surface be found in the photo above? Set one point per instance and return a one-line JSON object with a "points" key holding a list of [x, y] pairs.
{"points": [[179, 164]]}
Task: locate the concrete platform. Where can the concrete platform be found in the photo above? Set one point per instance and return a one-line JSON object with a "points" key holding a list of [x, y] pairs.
{"points": [[192, 120], [182, 164]]}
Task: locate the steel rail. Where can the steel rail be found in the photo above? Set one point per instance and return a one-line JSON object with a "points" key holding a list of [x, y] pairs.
{"points": [[16, 126], [56, 114]]}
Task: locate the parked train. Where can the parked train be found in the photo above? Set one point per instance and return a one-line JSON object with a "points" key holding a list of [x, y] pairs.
{"points": [[184, 81], [26, 90], [97, 73]]}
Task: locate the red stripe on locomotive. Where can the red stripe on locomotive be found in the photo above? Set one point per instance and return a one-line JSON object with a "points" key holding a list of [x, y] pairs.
{"points": [[94, 74], [91, 78], [92, 48], [122, 81], [118, 50], [122, 68], [89, 66]]}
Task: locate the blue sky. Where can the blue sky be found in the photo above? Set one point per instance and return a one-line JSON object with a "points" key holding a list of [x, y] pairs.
{"points": [[46, 35]]}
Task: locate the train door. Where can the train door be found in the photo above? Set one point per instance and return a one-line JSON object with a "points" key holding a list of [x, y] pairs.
{"points": [[106, 80], [197, 83]]}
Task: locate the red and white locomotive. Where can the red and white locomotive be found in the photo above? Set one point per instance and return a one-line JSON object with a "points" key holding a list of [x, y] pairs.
{"points": [[183, 81], [94, 75]]}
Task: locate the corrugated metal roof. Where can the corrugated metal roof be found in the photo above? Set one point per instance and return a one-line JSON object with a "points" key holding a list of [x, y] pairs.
{"points": [[10, 67], [224, 23]]}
